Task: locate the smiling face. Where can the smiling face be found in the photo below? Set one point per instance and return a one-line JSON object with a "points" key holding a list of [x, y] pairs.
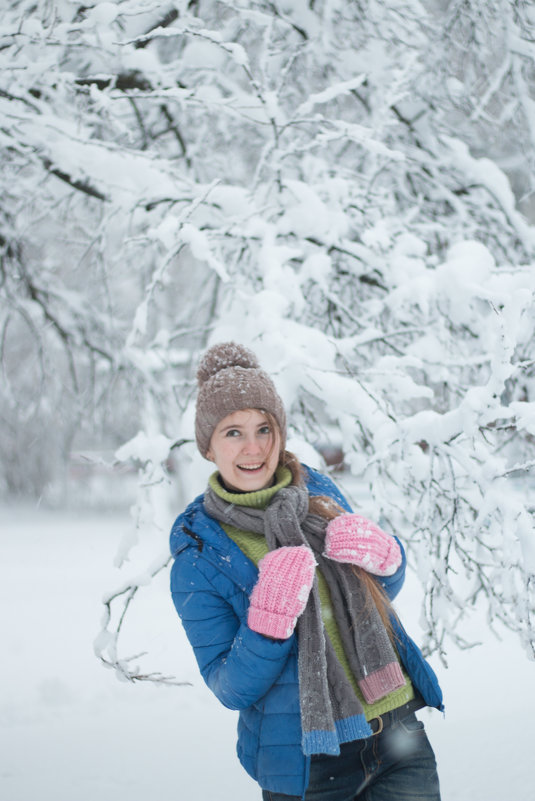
{"points": [[245, 448]]}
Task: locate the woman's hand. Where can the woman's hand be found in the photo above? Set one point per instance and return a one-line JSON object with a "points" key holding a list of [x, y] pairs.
{"points": [[281, 593], [353, 539]]}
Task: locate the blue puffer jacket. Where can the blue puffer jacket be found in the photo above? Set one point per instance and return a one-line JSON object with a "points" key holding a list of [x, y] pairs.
{"points": [[211, 581]]}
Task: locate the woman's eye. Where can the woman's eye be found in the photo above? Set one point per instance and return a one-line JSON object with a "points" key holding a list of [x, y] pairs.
{"points": [[232, 432], [265, 430]]}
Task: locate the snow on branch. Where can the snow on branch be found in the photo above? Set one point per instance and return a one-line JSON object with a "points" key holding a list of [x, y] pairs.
{"points": [[107, 641], [351, 198], [326, 95]]}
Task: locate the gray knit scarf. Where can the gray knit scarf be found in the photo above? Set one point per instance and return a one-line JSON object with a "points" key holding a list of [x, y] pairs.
{"points": [[331, 713]]}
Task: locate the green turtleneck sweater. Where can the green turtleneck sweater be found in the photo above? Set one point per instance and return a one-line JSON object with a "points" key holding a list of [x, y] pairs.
{"points": [[254, 546]]}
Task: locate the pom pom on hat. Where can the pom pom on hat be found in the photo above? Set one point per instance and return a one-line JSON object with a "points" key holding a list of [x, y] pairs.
{"points": [[228, 354], [230, 379]]}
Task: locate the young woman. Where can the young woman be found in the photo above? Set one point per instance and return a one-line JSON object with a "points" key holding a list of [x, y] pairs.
{"points": [[285, 597]]}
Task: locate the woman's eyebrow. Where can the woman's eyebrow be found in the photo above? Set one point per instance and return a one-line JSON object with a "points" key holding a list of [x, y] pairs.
{"points": [[228, 428]]}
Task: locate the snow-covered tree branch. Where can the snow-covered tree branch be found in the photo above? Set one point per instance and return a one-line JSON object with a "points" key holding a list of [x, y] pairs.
{"points": [[343, 186]]}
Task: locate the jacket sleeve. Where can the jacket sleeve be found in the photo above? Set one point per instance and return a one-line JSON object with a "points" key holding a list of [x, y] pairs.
{"points": [[393, 584], [237, 664]]}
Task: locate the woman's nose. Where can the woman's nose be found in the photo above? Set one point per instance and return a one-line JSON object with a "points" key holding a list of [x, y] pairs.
{"points": [[252, 445]]}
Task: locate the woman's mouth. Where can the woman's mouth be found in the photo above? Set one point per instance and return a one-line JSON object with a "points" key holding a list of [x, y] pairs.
{"points": [[251, 468]]}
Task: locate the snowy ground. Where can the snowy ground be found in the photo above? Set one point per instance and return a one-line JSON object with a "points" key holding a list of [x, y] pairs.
{"points": [[69, 731]]}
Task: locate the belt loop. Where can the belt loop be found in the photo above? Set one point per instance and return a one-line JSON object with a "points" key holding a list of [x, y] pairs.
{"points": [[381, 725]]}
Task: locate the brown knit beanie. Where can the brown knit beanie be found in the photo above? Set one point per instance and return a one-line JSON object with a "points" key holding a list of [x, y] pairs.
{"points": [[230, 379]]}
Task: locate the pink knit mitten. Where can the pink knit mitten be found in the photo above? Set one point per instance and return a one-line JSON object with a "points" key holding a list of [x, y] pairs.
{"points": [[354, 539], [281, 592]]}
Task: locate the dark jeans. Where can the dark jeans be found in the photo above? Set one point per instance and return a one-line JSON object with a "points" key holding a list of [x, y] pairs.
{"points": [[398, 764]]}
